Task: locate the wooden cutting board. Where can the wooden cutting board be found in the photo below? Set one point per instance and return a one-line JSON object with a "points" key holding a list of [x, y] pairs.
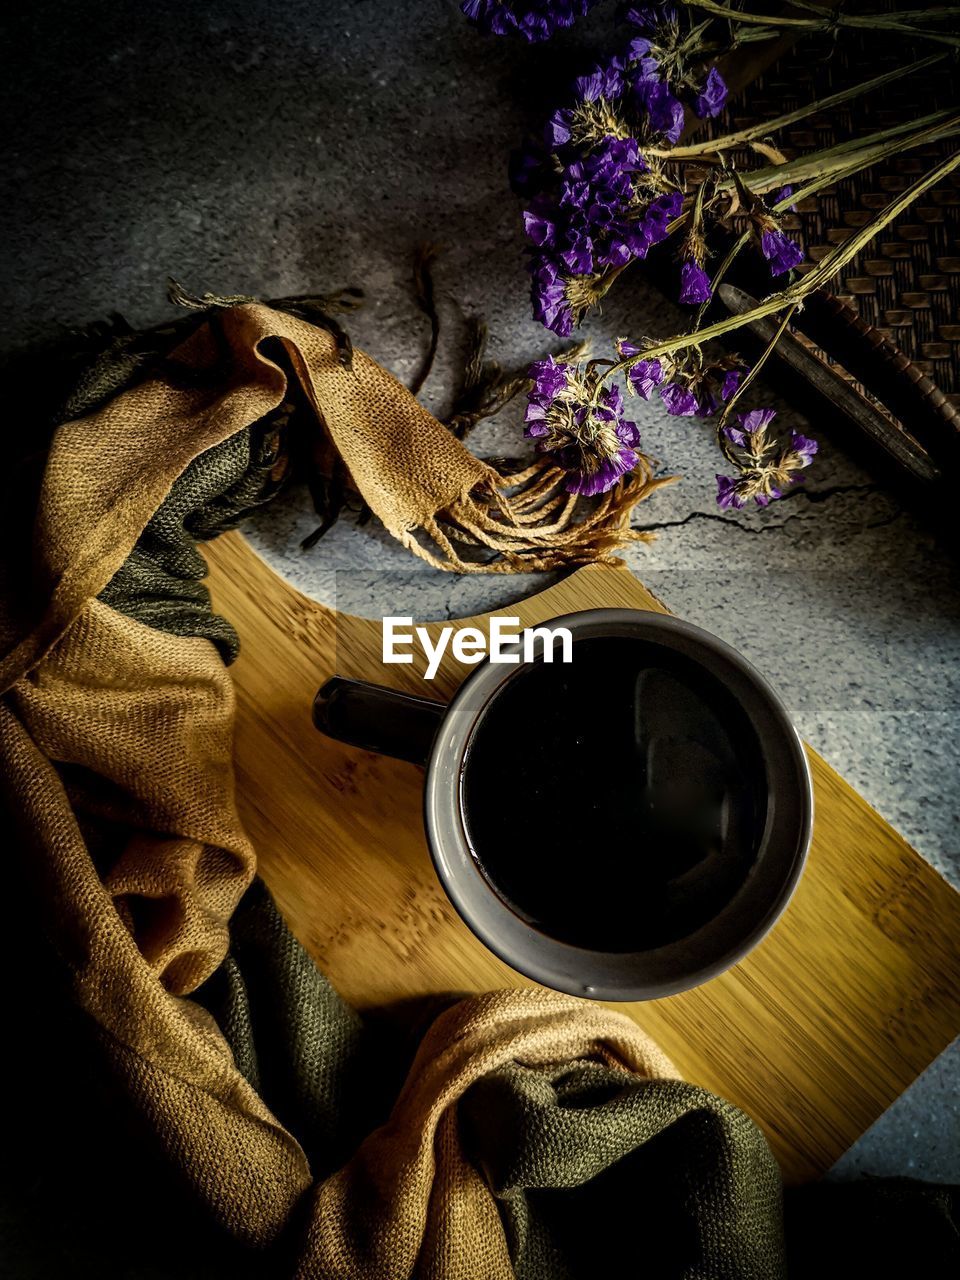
{"points": [[854, 992]]}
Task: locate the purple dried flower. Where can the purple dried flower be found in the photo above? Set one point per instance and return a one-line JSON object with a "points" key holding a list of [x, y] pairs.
{"points": [[647, 17], [594, 221], [665, 111], [694, 283], [549, 378], [804, 448], [765, 476], [738, 436], [540, 230], [637, 49], [535, 420], [764, 499], [617, 254], [548, 293], [589, 88], [557, 129], [589, 483], [578, 255], [756, 418], [534, 27], [628, 433], [710, 100], [612, 397], [592, 209], [734, 493], [613, 160], [535, 20], [727, 495], [780, 251], [643, 74], [679, 400], [783, 194], [580, 424], [660, 212], [644, 375], [574, 189], [612, 84], [695, 389]]}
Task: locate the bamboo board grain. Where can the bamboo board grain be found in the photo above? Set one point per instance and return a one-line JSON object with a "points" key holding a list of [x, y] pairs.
{"points": [[853, 993]]}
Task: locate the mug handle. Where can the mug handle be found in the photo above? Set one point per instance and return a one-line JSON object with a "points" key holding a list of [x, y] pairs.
{"points": [[378, 719]]}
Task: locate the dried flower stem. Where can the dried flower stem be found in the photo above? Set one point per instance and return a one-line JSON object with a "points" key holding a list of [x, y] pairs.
{"points": [[861, 152], [894, 147], [908, 15], [724, 417], [722, 270], [778, 175], [795, 293], [768, 127], [832, 21], [799, 193]]}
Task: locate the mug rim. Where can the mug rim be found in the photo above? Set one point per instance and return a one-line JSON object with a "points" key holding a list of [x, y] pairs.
{"points": [[683, 963]]}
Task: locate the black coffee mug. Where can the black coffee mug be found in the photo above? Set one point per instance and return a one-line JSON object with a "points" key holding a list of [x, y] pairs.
{"points": [[621, 827]]}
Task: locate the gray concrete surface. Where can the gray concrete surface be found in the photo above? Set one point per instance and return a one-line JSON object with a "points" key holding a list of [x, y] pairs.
{"points": [[248, 146]]}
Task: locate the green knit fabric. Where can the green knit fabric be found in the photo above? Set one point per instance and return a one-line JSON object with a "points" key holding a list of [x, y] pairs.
{"points": [[659, 1169], [302, 1048], [160, 582]]}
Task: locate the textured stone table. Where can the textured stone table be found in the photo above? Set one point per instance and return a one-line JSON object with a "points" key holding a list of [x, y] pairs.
{"points": [[268, 149]]}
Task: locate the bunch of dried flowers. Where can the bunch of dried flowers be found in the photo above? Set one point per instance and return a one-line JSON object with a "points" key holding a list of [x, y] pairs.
{"points": [[534, 20], [610, 179]]}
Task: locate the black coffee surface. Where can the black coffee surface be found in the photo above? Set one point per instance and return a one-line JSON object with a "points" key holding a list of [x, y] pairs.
{"points": [[615, 802]]}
